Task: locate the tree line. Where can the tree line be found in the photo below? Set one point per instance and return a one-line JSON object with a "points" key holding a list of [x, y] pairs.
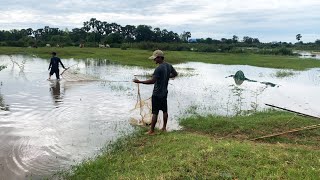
{"points": [[95, 32], [92, 33]]}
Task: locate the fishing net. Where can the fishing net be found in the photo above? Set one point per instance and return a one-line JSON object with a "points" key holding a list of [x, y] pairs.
{"points": [[20, 65], [73, 74], [143, 106]]}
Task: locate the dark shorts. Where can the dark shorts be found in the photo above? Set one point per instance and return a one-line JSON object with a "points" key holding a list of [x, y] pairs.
{"points": [[159, 103], [55, 71]]}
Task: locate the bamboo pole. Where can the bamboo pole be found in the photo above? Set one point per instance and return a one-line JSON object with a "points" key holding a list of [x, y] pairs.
{"points": [[299, 113], [290, 131]]}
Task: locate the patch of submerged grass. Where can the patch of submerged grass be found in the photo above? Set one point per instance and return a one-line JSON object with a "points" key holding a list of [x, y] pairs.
{"points": [[136, 57], [2, 67], [255, 125], [185, 155], [119, 88], [183, 72], [284, 73]]}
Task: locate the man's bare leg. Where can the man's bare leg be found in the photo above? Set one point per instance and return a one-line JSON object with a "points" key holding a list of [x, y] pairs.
{"points": [[165, 120], [153, 124]]}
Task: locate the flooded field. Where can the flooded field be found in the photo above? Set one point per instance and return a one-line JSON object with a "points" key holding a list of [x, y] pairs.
{"points": [[46, 125]]}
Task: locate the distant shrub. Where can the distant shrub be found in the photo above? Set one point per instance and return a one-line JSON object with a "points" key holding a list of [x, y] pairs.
{"points": [[3, 44], [15, 43], [285, 51], [115, 45], [124, 47]]}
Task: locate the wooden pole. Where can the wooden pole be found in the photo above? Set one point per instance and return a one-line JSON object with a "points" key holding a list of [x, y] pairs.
{"points": [[290, 131], [299, 113]]}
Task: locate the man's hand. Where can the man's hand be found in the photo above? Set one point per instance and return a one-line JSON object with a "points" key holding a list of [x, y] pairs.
{"points": [[136, 80]]}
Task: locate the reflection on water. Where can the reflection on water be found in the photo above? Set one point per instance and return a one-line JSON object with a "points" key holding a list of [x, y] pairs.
{"points": [[54, 124], [56, 91], [97, 62], [3, 106]]}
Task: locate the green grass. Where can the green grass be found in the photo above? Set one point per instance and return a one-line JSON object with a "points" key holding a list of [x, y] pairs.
{"points": [[256, 125], [184, 155], [211, 147], [134, 57]]}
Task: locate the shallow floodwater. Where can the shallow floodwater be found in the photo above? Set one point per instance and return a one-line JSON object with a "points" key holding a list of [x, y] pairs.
{"points": [[308, 54], [46, 126]]}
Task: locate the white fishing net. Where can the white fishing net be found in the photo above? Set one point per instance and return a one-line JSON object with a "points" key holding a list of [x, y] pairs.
{"points": [[20, 65], [143, 108], [73, 74]]}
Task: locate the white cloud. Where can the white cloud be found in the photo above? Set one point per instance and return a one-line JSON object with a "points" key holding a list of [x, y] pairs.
{"points": [[265, 19]]}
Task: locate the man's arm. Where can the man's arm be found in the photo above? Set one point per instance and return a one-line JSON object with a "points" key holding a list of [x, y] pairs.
{"points": [[50, 65], [61, 64], [173, 73], [149, 81]]}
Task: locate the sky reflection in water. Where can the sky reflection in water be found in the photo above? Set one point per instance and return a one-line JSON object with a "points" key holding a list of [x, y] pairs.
{"points": [[49, 125]]}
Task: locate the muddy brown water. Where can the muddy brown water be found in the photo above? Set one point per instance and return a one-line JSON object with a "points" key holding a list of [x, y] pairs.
{"points": [[46, 126]]}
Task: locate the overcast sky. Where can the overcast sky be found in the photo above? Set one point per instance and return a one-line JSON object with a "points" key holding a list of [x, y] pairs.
{"points": [[268, 20]]}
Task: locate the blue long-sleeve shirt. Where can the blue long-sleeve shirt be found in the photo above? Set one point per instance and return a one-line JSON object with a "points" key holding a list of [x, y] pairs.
{"points": [[54, 63]]}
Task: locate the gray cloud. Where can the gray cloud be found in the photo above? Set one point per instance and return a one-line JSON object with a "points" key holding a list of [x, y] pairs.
{"points": [[267, 20]]}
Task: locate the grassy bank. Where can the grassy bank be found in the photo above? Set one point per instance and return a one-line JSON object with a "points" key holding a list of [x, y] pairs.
{"points": [[139, 57], [212, 147], [257, 125]]}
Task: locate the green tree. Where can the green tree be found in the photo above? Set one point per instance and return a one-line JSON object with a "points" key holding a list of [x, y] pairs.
{"points": [[208, 41], [157, 34], [298, 37], [116, 28], [86, 26], [106, 28], [77, 35], [114, 38], [235, 39], [128, 33], [185, 36], [143, 33]]}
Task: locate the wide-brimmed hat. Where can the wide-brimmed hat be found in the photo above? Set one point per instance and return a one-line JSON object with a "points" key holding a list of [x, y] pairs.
{"points": [[156, 53]]}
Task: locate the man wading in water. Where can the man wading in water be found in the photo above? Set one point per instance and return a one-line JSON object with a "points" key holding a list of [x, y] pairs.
{"points": [[160, 80], [54, 65]]}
